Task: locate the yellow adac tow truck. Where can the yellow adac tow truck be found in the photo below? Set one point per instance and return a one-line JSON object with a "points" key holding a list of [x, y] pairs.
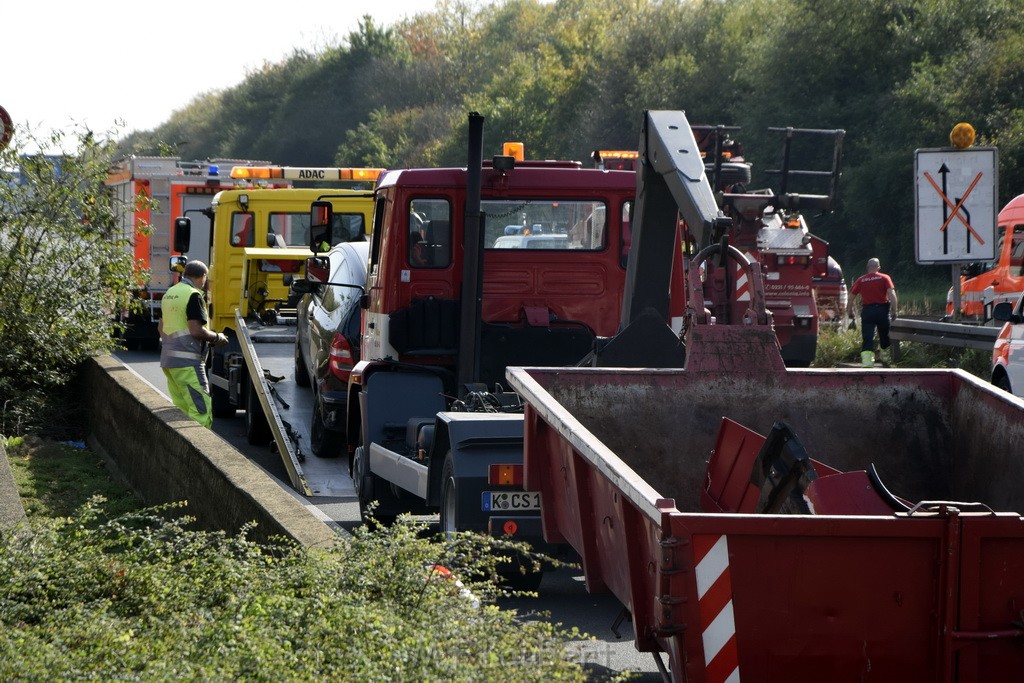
{"points": [[259, 248]]}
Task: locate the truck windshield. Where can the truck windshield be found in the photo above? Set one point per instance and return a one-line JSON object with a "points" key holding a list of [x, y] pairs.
{"points": [[545, 224], [292, 229]]}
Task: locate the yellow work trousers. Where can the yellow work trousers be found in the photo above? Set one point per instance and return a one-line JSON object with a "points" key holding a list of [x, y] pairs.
{"points": [[188, 392]]}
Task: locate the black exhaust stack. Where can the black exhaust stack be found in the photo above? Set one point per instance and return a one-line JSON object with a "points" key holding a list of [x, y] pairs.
{"points": [[471, 301]]}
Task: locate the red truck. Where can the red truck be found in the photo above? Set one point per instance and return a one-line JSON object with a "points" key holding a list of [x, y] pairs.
{"points": [[770, 524], [504, 262]]}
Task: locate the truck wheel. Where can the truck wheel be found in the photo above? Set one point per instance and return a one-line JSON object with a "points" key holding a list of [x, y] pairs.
{"points": [[326, 443], [221, 399], [221, 403], [449, 498], [365, 484], [257, 429], [1003, 382], [301, 376]]}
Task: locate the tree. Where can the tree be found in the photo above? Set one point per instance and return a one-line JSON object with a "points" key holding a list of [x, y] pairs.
{"points": [[65, 269]]}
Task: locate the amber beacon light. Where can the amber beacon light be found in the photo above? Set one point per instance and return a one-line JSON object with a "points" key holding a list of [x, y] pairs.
{"points": [[962, 135]]}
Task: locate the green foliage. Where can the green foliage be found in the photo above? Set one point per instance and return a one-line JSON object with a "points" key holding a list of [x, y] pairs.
{"points": [[140, 597], [837, 345], [572, 76], [65, 269], [840, 346]]}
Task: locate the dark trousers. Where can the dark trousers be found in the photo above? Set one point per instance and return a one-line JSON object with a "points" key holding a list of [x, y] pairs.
{"points": [[874, 316]]}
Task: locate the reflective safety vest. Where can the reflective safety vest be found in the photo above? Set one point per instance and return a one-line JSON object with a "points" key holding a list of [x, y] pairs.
{"points": [[179, 348]]}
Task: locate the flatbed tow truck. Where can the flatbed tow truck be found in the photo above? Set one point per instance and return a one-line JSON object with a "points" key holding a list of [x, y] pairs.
{"points": [[259, 249]]}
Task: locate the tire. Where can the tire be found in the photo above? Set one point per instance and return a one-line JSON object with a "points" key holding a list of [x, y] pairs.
{"points": [[257, 428], [449, 498], [301, 376], [220, 398], [222, 407], [325, 442], [1003, 382], [366, 487], [510, 573]]}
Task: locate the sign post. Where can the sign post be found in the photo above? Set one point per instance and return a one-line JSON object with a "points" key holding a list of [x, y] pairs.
{"points": [[956, 192]]}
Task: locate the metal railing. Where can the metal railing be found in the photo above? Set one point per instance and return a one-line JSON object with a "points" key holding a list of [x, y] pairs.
{"points": [[947, 334]]}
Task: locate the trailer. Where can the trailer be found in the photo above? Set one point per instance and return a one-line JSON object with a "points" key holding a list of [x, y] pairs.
{"points": [[869, 592], [761, 523]]}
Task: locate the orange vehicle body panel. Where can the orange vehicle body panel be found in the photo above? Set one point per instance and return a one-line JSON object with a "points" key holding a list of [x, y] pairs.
{"points": [[1005, 281]]}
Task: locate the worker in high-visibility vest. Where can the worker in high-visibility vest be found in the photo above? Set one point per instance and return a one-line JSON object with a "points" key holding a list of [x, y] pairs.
{"points": [[183, 337]]}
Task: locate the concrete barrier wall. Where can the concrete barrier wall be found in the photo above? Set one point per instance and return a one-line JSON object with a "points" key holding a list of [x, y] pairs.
{"points": [[167, 457]]}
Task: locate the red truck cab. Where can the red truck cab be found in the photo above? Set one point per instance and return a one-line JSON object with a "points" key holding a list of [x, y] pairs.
{"points": [[553, 276]]}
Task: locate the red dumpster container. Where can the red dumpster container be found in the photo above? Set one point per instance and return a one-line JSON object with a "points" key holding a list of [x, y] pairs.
{"points": [[934, 593]]}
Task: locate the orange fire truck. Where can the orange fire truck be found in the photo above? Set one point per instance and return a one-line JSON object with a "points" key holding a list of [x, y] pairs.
{"points": [[148, 192]]}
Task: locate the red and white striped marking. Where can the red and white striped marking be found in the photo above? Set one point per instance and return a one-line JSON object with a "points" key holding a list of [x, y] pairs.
{"points": [[742, 284], [714, 596]]}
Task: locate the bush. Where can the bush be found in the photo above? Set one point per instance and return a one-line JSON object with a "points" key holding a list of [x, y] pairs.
{"points": [[66, 269], [140, 597]]}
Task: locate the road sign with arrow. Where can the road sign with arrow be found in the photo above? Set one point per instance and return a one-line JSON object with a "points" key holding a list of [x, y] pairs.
{"points": [[957, 203]]}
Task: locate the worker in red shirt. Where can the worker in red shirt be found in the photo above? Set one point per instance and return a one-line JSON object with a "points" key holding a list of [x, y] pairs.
{"points": [[877, 307]]}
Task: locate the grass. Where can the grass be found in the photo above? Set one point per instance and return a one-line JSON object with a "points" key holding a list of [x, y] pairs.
{"points": [[57, 479], [840, 346]]}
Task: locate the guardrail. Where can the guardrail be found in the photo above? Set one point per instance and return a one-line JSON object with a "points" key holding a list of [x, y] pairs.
{"points": [[947, 334]]}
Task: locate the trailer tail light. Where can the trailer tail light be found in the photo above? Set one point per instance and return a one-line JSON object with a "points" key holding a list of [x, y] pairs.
{"points": [[340, 361], [505, 475], [793, 260]]}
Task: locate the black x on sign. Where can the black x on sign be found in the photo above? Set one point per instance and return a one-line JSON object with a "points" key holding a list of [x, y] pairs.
{"points": [[957, 203]]}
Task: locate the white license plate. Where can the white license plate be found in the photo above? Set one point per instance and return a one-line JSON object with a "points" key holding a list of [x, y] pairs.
{"points": [[510, 501]]}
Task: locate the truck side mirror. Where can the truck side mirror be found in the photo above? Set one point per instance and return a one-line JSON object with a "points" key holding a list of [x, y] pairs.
{"points": [[318, 269], [321, 221], [182, 233], [177, 264], [304, 286]]}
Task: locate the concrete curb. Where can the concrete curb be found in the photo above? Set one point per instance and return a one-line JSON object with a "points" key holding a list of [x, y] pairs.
{"points": [[12, 512], [167, 457]]}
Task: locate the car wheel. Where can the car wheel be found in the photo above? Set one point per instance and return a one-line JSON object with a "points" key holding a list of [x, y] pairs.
{"points": [[301, 376], [1003, 382], [325, 442]]}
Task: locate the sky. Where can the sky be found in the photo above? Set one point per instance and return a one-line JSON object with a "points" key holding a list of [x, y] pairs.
{"points": [[100, 62]]}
